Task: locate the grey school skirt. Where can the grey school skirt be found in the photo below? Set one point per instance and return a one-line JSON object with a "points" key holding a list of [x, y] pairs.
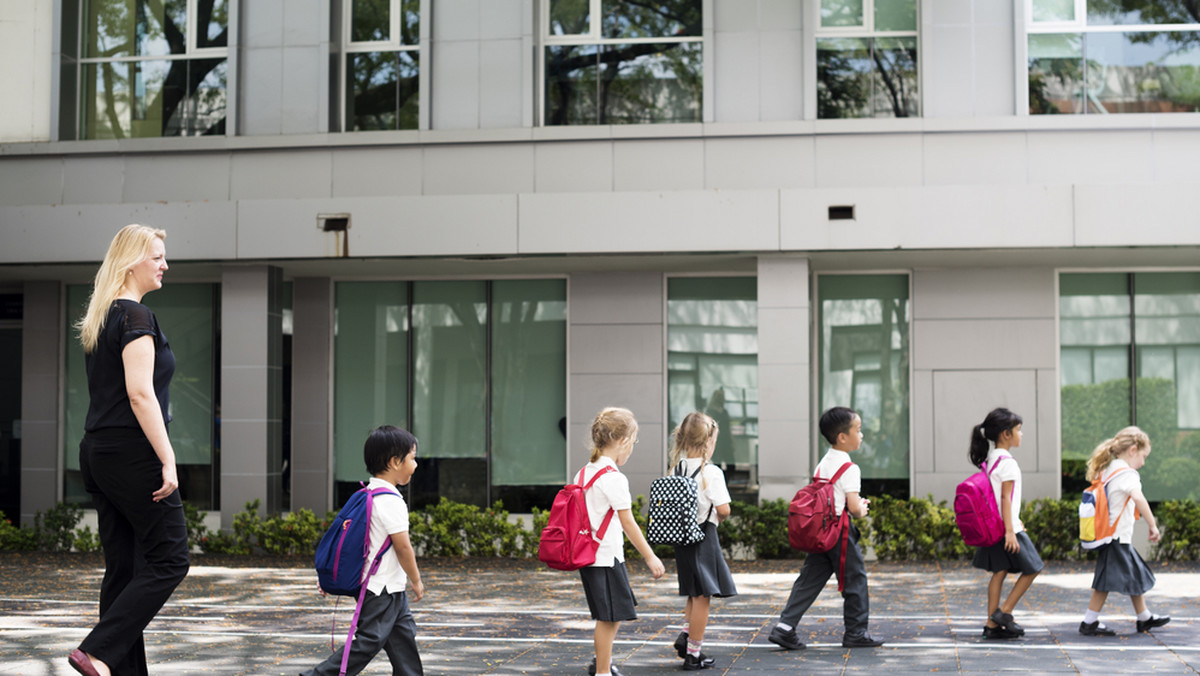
{"points": [[609, 596], [702, 568], [995, 559], [1119, 568]]}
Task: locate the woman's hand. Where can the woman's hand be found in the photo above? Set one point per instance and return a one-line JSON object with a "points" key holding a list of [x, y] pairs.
{"points": [[170, 482], [1010, 543]]}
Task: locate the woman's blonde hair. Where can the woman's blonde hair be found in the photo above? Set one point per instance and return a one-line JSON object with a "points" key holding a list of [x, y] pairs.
{"points": [[129, 247], [1108, 450], [692, 435], [610, 426]]}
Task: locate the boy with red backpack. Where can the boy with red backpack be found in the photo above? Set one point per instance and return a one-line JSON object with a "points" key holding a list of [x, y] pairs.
{"points": [[842, 428]]}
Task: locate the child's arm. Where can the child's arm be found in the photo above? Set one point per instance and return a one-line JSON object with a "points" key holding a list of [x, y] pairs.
{"points": [[857, 506], [723, 512], [1010, 537], [408, 561], [639, 542], [1143, 508]]}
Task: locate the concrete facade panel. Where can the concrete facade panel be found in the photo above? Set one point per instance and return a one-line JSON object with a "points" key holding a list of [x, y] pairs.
{"points": [[371, 172], [638, 392], [31, 180], [780, 15], [1175, 156], [301, 174], [489, 169], [949, 85], [752, 163], [607, 298], [262, 23], [784, 464], [639, 345], [667, 221], [994, 343], [456, 19], [455, 86], [953, 159], [1091, 157], [503, 19], [1137, 215], [261, 97], [501, 94], [782, 336], [573, 167], [922, 422], [995, 93], [1049, 459], [948, 12], [739, 16], [992, 293], [781, 58], [963, 399], [996, 13], [93, 180], [736, 75], [868, 160], [155, 178], [783, 392], [306, 22], [658, 165], [783, 282], [300, 100]]}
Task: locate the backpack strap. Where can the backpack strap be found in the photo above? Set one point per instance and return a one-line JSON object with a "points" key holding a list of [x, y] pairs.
{"points": [[362, 592], [989, 471], [681, 471], [836, 475], [607, 517], [1121, 513]]}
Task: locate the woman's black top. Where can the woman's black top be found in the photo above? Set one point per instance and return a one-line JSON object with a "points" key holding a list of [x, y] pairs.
{"points": [[109, 406]]}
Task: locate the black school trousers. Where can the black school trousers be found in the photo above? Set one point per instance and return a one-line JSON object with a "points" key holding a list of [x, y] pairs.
{"points": [[145, 543], [816, 572]]}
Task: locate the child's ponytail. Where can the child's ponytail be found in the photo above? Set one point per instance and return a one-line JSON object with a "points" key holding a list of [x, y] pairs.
{"points": [[610, 426], [996, 422], [692, 434], [1109, 449]]}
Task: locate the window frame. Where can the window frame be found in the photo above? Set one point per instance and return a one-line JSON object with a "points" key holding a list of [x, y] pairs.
{"points": [[866, 30], [191, 53], [348, 46], [593, 37]]}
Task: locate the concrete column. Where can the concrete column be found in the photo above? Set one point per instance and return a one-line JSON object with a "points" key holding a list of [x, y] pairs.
{"points": [[784, 420], [312, 382], [41, 454], [251, 389], [615, 333]]}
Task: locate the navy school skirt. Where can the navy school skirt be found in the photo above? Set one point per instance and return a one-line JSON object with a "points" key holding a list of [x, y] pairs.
{"points": [[609, 596], [995, 559], [702, 568], [1119, 568]]}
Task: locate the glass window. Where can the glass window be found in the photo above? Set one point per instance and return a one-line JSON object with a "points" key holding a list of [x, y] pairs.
{"points": [[381, 64], [151, 69], [867, 59], [619, 62], [188, 316], [864, 362], [1104, 319], [712, 366], [1141, 56]]}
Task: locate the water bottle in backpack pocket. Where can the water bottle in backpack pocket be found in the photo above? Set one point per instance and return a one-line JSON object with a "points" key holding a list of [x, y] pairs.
{"points": [[1094, 529]]}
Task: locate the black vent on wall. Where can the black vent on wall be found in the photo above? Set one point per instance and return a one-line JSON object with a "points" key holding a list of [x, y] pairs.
{"points": [[841, 213]]}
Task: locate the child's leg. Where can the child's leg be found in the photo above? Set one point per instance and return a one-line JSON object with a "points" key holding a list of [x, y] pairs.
{"points": [[813, 575], [1019, 588], [602, 639], [401, 646], [995, 586], [698, 607], [1097, 600], [374, 625], [856, 602], [1139, 604]]}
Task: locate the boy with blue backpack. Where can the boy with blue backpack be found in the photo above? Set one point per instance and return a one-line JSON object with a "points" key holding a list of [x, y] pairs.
{"points": [[383, 618]]}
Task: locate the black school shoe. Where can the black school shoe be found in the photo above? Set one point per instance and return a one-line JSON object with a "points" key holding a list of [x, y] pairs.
{"points": [[612, 669], [691, 663], [681, 644], [864, 641], [1154, 621], [1096, 629], [1006, 620], [785, 639], [995, 633]]}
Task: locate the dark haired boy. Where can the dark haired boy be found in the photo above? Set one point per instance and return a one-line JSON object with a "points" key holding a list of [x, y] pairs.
{"points": [[842, 428], [386, 622]]}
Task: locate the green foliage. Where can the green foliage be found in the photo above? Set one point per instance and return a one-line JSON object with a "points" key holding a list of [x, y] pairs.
{"points": [[292, 533], [1053, 526], [197, 531], [86, 540], [1179, 523], [758, 531], [453, 529], [55, 529], [14, 538], [913, 529]]}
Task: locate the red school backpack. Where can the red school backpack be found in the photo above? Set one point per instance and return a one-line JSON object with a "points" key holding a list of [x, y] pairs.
{"points": [[975, 511], [567, 542], [813, 522]]}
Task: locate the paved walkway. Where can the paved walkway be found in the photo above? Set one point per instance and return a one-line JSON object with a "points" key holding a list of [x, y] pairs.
{"points": [[517, 617]]}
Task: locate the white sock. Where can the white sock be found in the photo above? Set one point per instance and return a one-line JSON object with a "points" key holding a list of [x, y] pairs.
{"points": [[607, 673], [1145, 615], [1091, 616], [785, 627], [693, 648]]}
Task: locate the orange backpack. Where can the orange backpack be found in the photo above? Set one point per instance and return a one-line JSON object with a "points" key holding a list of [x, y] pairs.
{"points": [[1094, 529]]}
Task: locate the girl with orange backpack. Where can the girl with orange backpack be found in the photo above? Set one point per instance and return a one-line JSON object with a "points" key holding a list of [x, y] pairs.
{"points": [[1119, 568]]}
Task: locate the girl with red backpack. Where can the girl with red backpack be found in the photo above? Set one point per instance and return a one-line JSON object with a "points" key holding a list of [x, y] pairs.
{"points": [[1119, 568], [991, 443]]}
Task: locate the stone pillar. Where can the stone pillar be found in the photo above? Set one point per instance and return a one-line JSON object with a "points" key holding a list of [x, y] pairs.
{"points": [[784, 378], [312, 382], [251, 389], [41, 452]]}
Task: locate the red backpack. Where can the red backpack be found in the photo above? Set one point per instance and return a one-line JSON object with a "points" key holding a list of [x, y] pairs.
{"points": [[813, 522], [975, 509], [567, 542]]}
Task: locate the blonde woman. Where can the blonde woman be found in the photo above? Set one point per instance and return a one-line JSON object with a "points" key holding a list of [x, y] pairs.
{"points": [[125, 456]]}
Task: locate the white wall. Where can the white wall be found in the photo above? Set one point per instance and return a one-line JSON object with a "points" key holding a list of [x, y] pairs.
{"points": [[26, 41]]}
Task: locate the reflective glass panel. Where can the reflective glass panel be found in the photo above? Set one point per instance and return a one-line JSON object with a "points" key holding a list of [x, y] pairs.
{"points": [[115, 28], [410, 22], [1143, 72], [1167, 330], [571, 84], [844, 77], [894, 78], [384, 90], [206, 102], [1141, 12], [895, 15], [712, 366], [1055, 74], [650, 83], [841, 13], [529, 382], [134, 99], [863, 326], [1053, 10], [75, 396], [212, 23], [370, 20], [370, 383], [626, 19], [570, 17]]}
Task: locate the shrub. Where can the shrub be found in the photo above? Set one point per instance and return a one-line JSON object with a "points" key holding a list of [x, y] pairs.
{"points": [[1053, 526], [197, 531], [450, 528], [1179, 523], [55, 530], [293, 533], [14, 537], [757, 531], [917, 528], [86, 540]]}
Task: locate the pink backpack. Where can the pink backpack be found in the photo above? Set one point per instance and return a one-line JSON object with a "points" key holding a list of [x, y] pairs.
{"points": [[567, 542], [975, 509]]}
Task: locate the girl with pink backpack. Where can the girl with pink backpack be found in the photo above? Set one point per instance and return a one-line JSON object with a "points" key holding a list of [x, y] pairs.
{"points": [[991, 445]]}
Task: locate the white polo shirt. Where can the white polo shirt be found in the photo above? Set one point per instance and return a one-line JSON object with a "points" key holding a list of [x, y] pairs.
{"points": [[1120, 488], [850, 481], [711, 490], [1007, 470], [610, 490], [388, 515]]}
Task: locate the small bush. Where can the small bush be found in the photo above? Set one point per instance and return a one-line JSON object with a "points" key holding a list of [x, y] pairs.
{"points": [[913, 529], [450, 528], [15, 538], [291, 534], [197, 531], [1179, 523], [86, 540], [1053, 526], [55, 530], [756, 531]]}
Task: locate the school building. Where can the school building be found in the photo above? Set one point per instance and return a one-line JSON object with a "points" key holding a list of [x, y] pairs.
{"points": [[484, 220]]}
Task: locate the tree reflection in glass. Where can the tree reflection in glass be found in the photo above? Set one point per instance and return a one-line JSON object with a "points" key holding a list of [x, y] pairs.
{"points": [[570, 17], [384, 90], [867, 77], [628, 19]]}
